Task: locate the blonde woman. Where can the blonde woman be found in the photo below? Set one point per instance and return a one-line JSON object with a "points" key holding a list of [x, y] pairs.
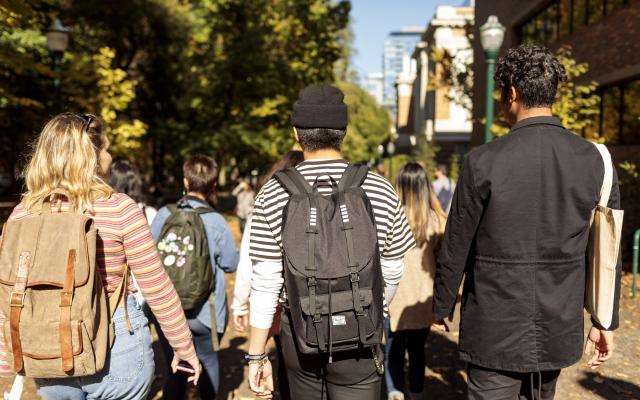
{"points": [[72, 153], [410, 311]]}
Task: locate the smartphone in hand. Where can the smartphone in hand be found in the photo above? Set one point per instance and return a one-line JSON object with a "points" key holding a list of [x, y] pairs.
{"points": [[185, 367]]}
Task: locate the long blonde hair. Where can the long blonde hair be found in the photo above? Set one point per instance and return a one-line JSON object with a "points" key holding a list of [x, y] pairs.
{"points": [[420, 204], [66, 157]]}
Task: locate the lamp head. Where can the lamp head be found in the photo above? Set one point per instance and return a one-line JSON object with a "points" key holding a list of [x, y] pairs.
{"points": [[57, 37], [492, 36]]}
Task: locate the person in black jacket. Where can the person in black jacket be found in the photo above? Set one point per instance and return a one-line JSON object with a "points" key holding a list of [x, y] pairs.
{"points": [[518, 231]]}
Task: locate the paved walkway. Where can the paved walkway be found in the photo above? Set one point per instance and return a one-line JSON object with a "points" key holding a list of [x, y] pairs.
{"points": [[445, 376]]}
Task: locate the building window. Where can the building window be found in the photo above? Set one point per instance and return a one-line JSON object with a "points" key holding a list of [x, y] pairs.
{"points": [[631, 115], [619, 119], [561, 18]]}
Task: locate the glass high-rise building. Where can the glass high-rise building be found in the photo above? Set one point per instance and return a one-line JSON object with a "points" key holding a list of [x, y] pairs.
{"points": [[396, 58]]}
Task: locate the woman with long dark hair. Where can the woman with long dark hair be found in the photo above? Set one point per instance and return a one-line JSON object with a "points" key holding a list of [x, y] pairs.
{"points": [[126, 178], [410, 311]]}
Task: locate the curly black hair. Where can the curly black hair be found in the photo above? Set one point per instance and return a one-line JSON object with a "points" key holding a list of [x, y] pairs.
{"points": [[533, 71]]}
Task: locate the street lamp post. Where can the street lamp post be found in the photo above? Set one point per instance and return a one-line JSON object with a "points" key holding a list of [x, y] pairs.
{"points": [[57, 44], [391, 149], [491, 37]]}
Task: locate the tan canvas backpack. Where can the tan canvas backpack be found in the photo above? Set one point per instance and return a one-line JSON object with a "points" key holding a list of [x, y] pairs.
{"points": [[58, 316]]}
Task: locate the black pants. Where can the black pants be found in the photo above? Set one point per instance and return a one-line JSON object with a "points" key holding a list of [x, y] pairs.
{"points": [[399, 343], [351, 376], [283, 381], [485, 384]]}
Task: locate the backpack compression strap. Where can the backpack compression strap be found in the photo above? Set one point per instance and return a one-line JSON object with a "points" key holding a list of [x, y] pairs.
{"points": [[353, 176], [295, 184]]}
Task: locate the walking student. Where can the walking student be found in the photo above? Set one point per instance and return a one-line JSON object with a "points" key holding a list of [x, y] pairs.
{"points": [[66, 175], [192, 236], [125, 178], [242, 287], [244, 202], [343, 234], [518, 229], [410, 312], [443, 187]]}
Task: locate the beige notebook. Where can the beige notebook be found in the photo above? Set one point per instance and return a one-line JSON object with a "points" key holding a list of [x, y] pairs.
{"points": [[603, 250]]}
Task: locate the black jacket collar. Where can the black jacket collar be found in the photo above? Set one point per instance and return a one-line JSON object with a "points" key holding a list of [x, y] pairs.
{"points": [[537, 121]]}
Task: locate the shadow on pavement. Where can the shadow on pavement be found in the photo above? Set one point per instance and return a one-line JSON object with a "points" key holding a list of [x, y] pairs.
{"points": [[446, 375], [608, 387], [232, 363]]}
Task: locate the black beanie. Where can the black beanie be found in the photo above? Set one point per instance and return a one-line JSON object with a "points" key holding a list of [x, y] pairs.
{"points": [[320, 106]]}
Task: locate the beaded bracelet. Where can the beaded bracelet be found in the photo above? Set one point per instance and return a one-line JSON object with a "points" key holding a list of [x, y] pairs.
{"points": [[261, 362], [254, 357]]}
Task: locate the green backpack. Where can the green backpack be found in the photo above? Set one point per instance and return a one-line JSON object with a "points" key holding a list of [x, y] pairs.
{"points": [[184, 252]]}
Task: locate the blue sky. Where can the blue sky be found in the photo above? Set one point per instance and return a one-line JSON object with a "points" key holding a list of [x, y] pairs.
{"points": [[374, 19]]}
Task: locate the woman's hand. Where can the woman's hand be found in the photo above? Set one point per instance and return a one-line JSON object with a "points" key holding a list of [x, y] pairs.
{"points": [[599, 346], [441, 325], [195, 364], [261, 379], [241, 322]]}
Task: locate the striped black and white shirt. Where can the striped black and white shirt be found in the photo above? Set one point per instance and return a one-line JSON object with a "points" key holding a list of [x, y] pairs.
{"points": [[394, 234], [267, 281]]}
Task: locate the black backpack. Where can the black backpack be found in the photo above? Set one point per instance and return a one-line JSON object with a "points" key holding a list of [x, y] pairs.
{"points": [[332, 264], [184, 252]]}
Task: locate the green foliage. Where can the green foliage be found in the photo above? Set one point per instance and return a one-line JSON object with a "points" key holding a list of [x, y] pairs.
{"points": [[456, 72], [631, 170], [394, 164], [454, 167], [115, 93], [577, 105], [629, 179], [369, 124], [173, 77], [425, 153], [25, 80]]}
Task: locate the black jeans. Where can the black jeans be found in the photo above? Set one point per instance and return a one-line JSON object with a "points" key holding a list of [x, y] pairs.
{"points": [[282, 382], [398, 343], [485, 384], [351, 376]]}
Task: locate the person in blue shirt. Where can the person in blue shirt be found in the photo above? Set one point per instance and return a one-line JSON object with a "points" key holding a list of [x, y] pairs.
{"points": [[200, 177]]}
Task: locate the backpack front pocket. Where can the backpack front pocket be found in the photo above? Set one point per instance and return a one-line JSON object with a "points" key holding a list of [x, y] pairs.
{"points": [[338, 323], [45, 355]]}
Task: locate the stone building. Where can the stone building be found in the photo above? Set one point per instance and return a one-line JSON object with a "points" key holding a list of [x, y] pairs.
{"points": [[429, 105]]}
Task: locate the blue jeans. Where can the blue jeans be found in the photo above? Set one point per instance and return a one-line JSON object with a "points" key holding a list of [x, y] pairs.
{"points": [[399, 342], [129, 369], [175, 384]]}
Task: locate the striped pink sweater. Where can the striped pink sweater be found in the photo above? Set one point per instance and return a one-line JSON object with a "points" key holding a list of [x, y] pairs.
{"points": [[124, 239]]}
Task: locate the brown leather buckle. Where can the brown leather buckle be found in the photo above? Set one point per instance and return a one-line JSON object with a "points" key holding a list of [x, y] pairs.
{"points": [[65, 299], [17, 299]]}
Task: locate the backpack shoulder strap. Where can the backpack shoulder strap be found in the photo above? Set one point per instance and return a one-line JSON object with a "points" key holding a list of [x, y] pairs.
{"points": [[172, 208], [607, 182], [203, 210], [293, 181], [353, 176], [184, 203]]}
